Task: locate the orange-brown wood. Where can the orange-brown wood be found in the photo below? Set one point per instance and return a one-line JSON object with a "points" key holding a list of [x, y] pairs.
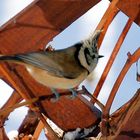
{"points": [[3, 135], [129, 128], [36, 26], [29, 124], [14, 19], [32, 31], [106, 24], [131, 8], [106, 20], [38, 130], [109, 11], [13, 99], [68, 114], [131, 59], [124, 123], [112, 58]]}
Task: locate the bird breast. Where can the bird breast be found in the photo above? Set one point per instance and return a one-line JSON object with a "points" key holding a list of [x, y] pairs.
{"points": [[47, 79]]}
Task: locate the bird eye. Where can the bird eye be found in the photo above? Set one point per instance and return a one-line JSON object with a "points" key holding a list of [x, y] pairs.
{"points": [[86, 51]]}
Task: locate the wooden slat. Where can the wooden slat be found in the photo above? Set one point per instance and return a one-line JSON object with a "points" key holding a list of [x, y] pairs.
{"points": [[68, 114], [124, 123], [131, 59], [32, 31], [112, 58], [131, 8], [39, 24], [105, 121]]}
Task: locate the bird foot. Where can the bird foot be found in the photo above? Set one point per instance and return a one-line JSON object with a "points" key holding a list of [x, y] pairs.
{"points": [[57, 96], [74, 94]]}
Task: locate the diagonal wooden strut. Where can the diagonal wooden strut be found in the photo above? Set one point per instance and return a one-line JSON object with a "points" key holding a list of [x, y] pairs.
{"points": [[131, 59], [112, 58], [13, 83], [107, 18]]}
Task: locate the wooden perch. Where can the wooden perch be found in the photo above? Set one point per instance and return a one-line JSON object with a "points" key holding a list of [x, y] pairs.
{"points": [[65, 109], [7, 108]]}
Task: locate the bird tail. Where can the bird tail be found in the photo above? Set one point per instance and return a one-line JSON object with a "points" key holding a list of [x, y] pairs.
{"points": [[6, 58]]}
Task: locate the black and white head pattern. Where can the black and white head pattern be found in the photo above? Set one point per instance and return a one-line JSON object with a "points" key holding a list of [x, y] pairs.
{"points": [[88, 54]]}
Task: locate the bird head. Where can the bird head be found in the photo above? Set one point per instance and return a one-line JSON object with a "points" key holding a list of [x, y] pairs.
{"points": [[88, 54]]}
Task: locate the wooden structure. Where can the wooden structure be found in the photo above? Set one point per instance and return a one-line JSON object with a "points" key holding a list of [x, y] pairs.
{"points": [[31, 30]]}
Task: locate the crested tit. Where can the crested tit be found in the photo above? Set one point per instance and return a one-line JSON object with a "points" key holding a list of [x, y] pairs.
{"points": [[61, 69]]}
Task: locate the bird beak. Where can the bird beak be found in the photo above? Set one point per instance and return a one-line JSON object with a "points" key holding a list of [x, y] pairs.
{"points": [[100, 56]]}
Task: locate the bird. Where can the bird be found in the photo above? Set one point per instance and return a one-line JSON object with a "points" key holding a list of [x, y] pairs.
{"points": [[63, 68]]}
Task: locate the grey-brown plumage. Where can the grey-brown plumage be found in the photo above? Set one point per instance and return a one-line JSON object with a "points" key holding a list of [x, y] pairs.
{"points": [[61, 69]]}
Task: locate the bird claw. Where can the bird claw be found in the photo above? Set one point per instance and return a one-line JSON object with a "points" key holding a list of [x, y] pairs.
{"points": [[74, 94], [57, 96]]}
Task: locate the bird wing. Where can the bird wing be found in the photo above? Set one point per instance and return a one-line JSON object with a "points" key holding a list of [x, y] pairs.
{"points": [[61, 63]]}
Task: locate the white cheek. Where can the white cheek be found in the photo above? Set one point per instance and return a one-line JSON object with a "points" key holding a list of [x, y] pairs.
{"points": [[82, 58], [93, 65], [96, 61]]}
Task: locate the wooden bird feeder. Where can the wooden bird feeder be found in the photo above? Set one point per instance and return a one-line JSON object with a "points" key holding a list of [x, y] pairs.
{"points": [[30, 30]]}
